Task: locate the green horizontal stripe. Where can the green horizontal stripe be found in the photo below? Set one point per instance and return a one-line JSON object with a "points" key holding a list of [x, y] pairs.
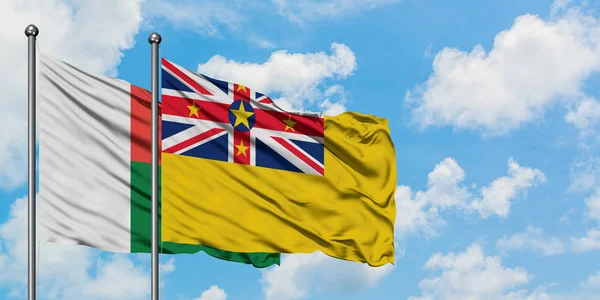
{"points": [[141, 226]]}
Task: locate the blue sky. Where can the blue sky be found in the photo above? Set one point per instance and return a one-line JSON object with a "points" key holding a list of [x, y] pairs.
{"points": [[492, 107]]}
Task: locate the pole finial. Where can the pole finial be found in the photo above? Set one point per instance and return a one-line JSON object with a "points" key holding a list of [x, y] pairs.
{"points": [[154, 38], [31, 30]]}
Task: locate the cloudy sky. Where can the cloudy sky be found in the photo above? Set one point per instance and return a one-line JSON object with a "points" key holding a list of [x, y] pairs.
{"points": [[493, 107]]}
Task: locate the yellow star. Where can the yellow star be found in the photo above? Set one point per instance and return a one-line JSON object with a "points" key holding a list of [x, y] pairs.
{"points": [[289, 124], [241, 116], [241, 148], [193, 109], [241, 87]]}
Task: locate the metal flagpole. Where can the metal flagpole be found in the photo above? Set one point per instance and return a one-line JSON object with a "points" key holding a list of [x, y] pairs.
{"points": [[31, 32], [154, 39]]}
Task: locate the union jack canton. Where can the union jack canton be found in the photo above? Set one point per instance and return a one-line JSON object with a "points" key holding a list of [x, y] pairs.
{"points": [[207, 118]]}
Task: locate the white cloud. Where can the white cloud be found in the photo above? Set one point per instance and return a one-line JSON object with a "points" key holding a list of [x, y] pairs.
{"points": [[532, 239], [301, 11], [53, 258], [586, 116], [420, 212], [297, 77], [524, 295], [590, 242], [593, 282], [559, 6], [470, 275], [208, 17], [443, 184], [335, 100], [532, 66], [497, 195], [588, 291], [301, 275], [332, 109], [593, 205], [78, 32], [261, 42], [167, 267], [415, 214], [203, 16], [585, 175], [67, 271], [117, 278], [428, 51], [214, 18], [213, 293]]}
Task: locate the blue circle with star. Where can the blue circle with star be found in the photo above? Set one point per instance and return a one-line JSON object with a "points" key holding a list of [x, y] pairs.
{"points": [[241, 114]]}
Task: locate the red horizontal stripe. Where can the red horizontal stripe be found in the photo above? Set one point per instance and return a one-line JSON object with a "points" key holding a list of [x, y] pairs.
{"points": [[200, 89], [210, 111], [274, 120], [193, 140], [265, 119], [299, 154]]}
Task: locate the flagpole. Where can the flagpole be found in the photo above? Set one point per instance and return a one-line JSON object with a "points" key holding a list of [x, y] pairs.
{"points": [[154, 39], [31, 32]]}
